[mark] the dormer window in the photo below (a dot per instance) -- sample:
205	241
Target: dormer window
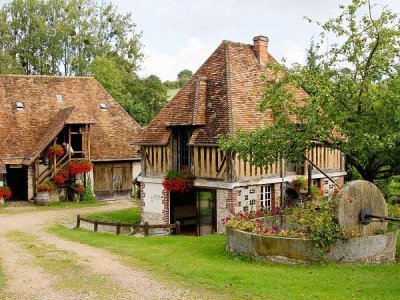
103	106
59	98
20	106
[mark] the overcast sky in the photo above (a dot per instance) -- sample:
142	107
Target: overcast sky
179	34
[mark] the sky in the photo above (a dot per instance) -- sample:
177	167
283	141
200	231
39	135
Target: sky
182	34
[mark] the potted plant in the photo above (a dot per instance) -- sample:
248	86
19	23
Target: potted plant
56	150
179	180
77	191
5	193
43	193
300	184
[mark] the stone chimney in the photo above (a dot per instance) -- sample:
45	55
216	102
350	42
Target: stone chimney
260	48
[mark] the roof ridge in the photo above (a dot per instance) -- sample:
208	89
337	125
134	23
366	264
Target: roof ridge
228	87
47	76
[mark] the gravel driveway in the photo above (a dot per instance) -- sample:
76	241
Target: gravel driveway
25	247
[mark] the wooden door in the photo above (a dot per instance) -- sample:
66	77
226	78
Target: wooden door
113	180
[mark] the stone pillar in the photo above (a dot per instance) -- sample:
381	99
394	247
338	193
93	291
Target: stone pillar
31	183
276	195
224	199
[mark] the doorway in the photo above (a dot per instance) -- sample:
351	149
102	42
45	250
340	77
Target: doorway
17	180
195	210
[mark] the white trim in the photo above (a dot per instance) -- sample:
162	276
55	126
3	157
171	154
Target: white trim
230	185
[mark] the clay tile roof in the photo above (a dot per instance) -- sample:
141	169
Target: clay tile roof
221	97
24	132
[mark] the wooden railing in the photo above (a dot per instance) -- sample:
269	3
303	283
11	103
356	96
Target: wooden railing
145	227
246	169
48	174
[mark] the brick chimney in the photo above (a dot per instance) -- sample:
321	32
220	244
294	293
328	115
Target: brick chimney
260	48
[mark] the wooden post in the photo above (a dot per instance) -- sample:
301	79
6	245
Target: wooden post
69	142
177	228
118	228
309	179
146	229
95	225
78	221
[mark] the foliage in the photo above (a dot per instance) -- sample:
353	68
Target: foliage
393	210
150	96
55	150
64	37
88	193
79	166
203	266
5	192
179	180
44	187
184	76
129	215
78	188
354	97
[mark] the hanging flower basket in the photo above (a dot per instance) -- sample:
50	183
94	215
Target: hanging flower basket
300	184
179	181
61	177
79	166
56	150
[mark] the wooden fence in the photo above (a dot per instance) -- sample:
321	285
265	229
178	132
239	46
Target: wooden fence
145	227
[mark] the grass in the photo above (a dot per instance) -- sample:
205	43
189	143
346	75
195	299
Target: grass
66	273
2	279
171	93
129	215
202	264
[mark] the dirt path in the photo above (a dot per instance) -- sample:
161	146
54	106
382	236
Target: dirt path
30	262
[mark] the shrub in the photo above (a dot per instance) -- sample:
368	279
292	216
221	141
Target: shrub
78	188
88	193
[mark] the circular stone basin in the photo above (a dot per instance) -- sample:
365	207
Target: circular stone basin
367	249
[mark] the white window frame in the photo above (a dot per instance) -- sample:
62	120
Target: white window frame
266	196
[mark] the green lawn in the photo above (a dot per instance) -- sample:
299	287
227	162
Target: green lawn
201	263
1	278
171	93
129	215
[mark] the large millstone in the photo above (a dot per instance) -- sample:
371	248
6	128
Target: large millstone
355	196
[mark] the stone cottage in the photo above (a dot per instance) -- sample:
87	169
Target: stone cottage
220	98
38	111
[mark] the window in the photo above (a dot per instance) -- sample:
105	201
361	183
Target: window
266	196
184	149
20	106
59	98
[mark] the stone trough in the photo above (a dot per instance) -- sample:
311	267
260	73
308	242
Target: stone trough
370	247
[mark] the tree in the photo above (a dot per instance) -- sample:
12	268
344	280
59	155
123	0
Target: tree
149	97
354	102
63	37
184	76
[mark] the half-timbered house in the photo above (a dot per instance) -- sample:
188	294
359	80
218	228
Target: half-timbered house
38	111
221	97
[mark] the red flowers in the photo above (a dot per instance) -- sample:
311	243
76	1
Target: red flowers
5	192
80	166
44	187
179	181
61	177
78	188
56	150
